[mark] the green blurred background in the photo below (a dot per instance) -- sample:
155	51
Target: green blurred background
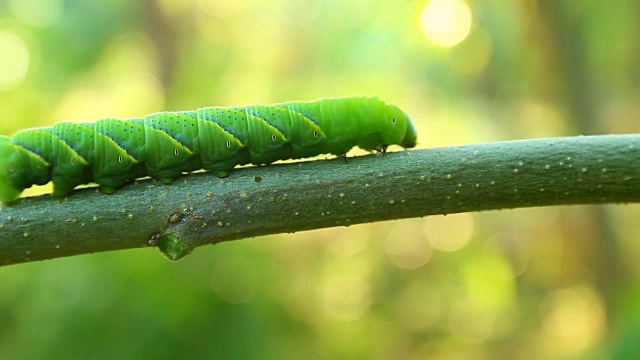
560	282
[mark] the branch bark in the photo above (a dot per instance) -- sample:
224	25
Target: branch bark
201	209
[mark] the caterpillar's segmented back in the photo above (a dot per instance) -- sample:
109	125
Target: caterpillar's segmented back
111	152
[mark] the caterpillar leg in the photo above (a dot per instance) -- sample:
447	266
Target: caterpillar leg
382	149
61	191
107	189
220	169
220	173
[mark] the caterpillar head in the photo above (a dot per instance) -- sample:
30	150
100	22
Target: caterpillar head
402	131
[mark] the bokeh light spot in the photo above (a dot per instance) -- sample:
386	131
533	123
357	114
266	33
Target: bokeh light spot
470	322
449	233
345	297
406	248
14	61
446	22
574	319
489	281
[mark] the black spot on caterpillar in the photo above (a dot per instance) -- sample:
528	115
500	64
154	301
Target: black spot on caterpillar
164	145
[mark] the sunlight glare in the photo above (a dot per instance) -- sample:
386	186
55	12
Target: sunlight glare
446	22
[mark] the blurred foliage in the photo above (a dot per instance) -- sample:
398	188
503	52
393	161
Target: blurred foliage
535	283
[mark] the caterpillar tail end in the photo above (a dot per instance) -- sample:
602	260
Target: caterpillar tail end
107	189
61	191
8	192
166	180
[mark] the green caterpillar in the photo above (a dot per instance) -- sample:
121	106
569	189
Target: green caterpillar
111	152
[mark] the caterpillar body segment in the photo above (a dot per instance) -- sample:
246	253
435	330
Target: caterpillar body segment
164	145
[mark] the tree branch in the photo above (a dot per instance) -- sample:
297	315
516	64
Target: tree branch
201	209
